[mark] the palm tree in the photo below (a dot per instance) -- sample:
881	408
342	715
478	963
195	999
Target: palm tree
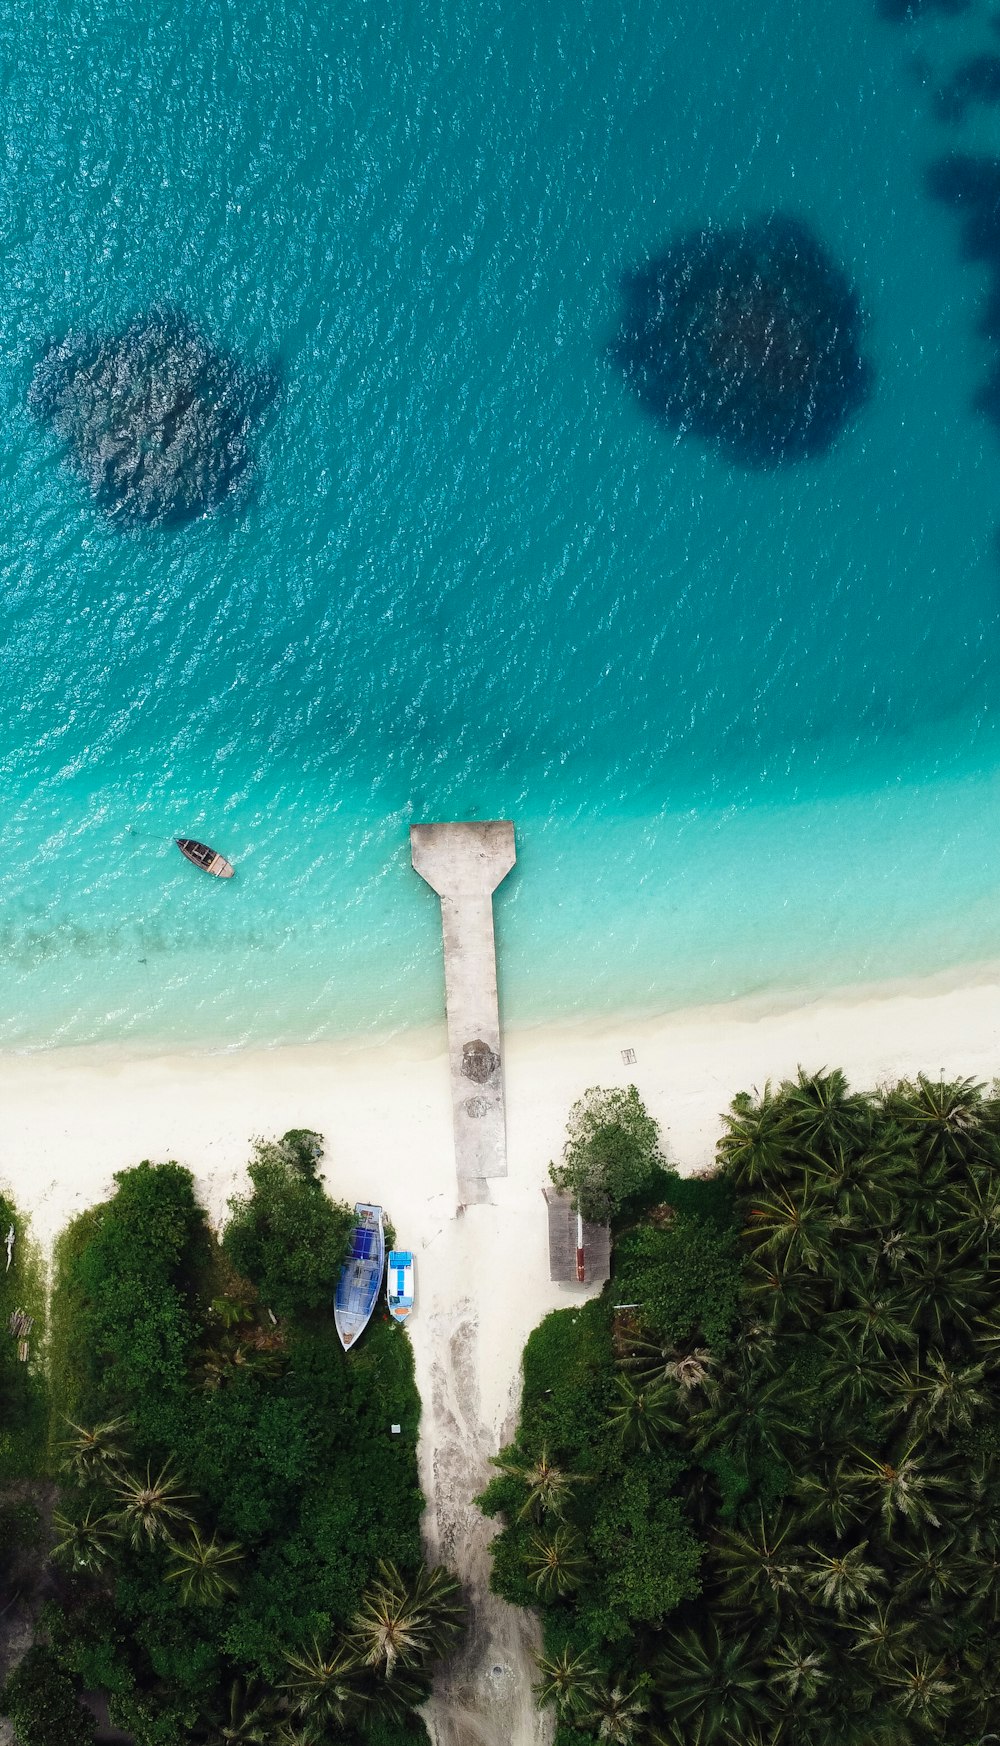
922	1687
850	1382
550	1487
759	1572
830	1497
783	1293
821	1115
882	1635
150	1509
746	1413
948	1397
407	1624
976	1203
794	1225
615	1713
868	1186
86	1542
943	1118
878	1322
247	1718
650	1361
326	1690
799	1670
982	1570
297	1731
95	1453
204	1568
641	1417
753	1149
897	1486
929	1570
718	1682
557	1564
945	1294
842	1579
568	1681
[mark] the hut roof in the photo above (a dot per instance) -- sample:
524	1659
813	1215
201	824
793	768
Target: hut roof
563	1233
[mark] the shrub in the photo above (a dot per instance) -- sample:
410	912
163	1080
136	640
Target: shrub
41	1701
286	1236
612	1152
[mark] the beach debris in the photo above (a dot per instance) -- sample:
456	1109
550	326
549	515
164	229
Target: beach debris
10	1248
156	419
748	339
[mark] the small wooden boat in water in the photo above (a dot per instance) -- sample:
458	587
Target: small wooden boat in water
204	857
360	1276
399	1283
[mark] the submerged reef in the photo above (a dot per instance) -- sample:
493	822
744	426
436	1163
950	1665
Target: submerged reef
748	339
156	420
975	80
971	185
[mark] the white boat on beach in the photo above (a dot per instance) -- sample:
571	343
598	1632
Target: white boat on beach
360	1276
399	1284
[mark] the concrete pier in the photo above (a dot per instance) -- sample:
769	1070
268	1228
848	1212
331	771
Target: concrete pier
464	864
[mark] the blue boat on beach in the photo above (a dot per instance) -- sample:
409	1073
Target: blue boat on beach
399	1284
360	1276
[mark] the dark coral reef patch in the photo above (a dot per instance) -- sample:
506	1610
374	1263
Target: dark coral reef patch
155	419
971	185
975	80
747	339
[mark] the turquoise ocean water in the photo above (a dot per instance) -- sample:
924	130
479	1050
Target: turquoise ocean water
747	723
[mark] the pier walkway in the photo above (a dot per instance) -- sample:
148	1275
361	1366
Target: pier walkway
464	863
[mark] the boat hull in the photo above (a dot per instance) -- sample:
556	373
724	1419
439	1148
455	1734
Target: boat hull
360	1276
399	1284
209	860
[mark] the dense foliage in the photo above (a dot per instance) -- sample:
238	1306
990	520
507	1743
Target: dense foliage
41	1699
792	1436
238	1529
612	1152
23	1410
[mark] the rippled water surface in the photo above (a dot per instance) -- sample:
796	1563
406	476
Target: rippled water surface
745	720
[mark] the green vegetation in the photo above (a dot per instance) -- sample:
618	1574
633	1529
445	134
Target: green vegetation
41	1700
23	1410
237	1532
612	1153
762	1503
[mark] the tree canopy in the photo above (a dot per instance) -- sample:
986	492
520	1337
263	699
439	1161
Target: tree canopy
233	1515
612	1153
782	1458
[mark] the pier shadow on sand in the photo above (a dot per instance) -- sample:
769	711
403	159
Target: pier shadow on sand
155	419
747	339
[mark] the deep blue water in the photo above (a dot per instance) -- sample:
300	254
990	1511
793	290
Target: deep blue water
745	720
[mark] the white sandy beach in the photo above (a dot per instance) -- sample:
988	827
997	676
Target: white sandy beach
71	1118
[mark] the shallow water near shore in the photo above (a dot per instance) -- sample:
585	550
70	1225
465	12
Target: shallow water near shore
746	721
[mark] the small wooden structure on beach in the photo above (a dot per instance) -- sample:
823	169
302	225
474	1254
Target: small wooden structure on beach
579	1249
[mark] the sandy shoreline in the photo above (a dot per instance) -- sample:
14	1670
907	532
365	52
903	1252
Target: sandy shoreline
72	1117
